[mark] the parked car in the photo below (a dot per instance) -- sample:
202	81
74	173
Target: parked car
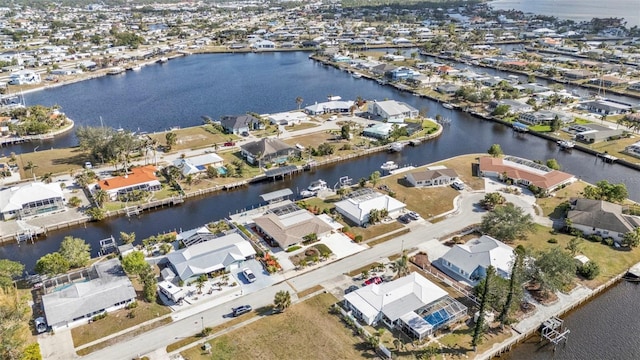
41	325
458	185
249	275
413	215
229	143
405	219
88	165
237	311
374	280
351	289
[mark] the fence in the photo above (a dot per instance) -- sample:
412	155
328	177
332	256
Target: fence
383	349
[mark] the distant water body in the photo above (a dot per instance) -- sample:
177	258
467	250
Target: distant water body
578	10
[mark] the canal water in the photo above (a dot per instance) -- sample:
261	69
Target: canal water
180	92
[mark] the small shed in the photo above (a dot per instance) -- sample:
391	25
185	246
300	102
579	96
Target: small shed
581	260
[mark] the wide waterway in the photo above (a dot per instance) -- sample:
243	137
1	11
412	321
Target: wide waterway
176	94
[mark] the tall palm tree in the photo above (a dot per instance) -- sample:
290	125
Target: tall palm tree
47	178
401	266
200	283
101	197
30	166
299	101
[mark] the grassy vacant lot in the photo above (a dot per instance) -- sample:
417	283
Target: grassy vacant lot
117	321
290	335
56	161
612	261
426	202
376	230
193	138
549	205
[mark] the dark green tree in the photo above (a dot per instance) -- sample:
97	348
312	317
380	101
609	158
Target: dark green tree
52	264
8	271
495	150
514	285
76	251
507	223
479	328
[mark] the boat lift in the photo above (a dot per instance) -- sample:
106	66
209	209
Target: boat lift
552	330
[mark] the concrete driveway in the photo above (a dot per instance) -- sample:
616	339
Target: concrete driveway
263	278
341	245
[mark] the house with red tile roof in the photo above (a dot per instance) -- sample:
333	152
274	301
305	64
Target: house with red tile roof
140	178
524	172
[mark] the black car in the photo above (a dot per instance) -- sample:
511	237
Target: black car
241	310
405	219
351	289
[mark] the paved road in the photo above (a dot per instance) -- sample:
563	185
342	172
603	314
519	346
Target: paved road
170	333
468	213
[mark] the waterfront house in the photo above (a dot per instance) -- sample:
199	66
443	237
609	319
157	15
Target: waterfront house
240	124
100	289
329	107
379	131
592	133
524	172
209	253
358	205
633	149
515	106
35	198
576	74
471	260
198	164
448	89
268	150
383	69
606	107
607	81
24	77
392	111
263	44
431	177
411	304
288	118
139	178
544	117
601	218
288	225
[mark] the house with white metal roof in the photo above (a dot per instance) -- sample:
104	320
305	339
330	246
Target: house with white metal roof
412	304
393	111
197	164
35	198
357	206
103	288
288	225
226	252
472	259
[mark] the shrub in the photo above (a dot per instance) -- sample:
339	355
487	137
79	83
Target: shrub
589	270
99	316
346	229
292	248
552	241
358	238
594	238
608	241
131	305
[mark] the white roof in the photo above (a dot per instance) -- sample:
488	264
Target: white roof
196	164
392	107
396	298
286	116
360	207
329	106
483	251
211	255
14	198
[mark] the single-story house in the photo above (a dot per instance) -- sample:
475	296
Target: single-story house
382	69
358	204
226	252
288	225
608	81
577	74
240	124
633	149
601	218
524	172
515	106
544	117
171	291
447	89
472	259
288	118
198	164
328	107
268	150
32	199
606	107
392	111
411	304
263	44
381	130
104	287
140	178
431	177
595	133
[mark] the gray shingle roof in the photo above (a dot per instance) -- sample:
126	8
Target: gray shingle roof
601	215
266	146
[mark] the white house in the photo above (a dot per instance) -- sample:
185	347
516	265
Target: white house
472	259
392	111
411	304
359	204
24	77
216	253
288	118
431	177
171	291
103	288
601	218
35	198
198	164
263	44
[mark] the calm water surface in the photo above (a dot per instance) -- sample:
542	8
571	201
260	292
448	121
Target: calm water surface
180	92
578	10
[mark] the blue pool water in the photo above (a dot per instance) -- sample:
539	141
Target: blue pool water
437	318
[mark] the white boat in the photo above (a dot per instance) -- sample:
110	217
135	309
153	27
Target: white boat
317	185
115	70
447	106
136	67
162	60
334	98
396	146
389	165
566	144
356	75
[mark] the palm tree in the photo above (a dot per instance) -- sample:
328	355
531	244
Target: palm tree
200	283
282	300
299	101
30	166
47	178
101	197
401	266
171	139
